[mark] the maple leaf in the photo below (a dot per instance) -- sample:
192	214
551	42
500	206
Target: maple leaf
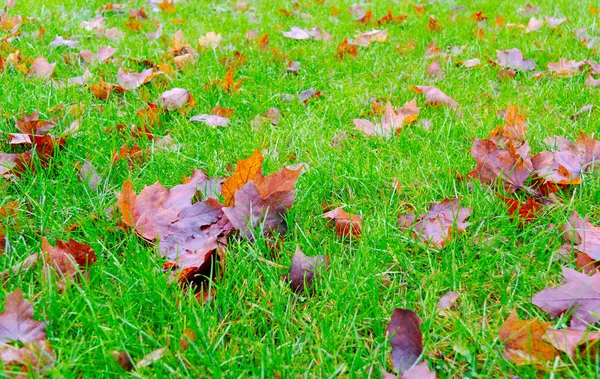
297	33
176	98
528	10
583	236
104	53
565	68
554	22
211	120
346	224
303	269
251	210
344	48
31	124
513	129
65	258
420	371
41	68
391	122
228	84
17	322
513	59
389	17
435	71
568	339
304	96
436	226
404	330
132	80
435	96
365	39
523	340
60	41
210	40
18	325
580	294
245	170
508	164
533	25
366	18
526	210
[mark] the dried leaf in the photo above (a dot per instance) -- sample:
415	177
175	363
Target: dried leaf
435	96
406	338
523	340
303	270
346	224
513	59
580	294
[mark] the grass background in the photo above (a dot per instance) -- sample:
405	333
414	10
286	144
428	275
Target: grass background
256	327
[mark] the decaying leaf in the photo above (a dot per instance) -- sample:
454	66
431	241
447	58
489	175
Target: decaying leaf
523	340
447	301
303	270
211	120
23	338
583	236
513	59
404	330
132	80
435	96
245	170
176	98
346	224
580	294
437	225
391	122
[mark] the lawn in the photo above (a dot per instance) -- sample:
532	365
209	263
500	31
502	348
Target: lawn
254	324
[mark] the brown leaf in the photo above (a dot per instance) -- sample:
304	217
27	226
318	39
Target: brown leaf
211	120
17	322
366	18
435	96
41	68
304	96
436	226
523	340
513	59
583	236
31	124
406	338
527	210
565	68
509	165
389	17
580	294
245	170
104	53
102	89
303	269
513	130
533	25
344	48
252	213
132	80
447	301
123	360
435	71
365	39
187	336
346	224
176	98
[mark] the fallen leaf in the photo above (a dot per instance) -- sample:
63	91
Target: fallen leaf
132	80
41	68
435	96
176	98
245	170
104	53
89	175
447	301
123	360
210	40
568	339
513	59
523	340
580	294
365	39
527	210
60	41
554	22
564	68
435	71
583	236
211	120
533	25
303	269
346	224
437	225
157	354
404	330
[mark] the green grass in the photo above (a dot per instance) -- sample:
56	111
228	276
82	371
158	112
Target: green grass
256	326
